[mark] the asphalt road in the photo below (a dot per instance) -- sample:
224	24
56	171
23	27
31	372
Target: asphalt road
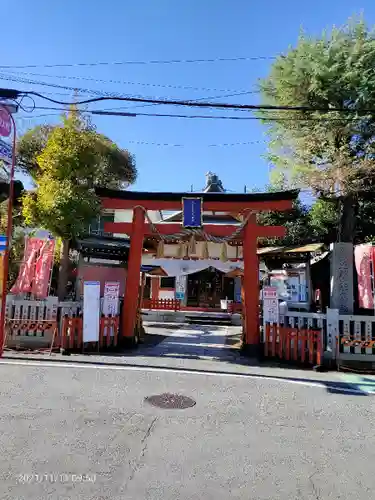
83	431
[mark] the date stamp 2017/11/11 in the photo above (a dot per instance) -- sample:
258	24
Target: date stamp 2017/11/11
54	477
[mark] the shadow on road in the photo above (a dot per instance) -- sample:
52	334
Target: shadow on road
333	387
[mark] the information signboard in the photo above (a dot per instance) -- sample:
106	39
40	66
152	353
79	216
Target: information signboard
270	304
111	298
91	311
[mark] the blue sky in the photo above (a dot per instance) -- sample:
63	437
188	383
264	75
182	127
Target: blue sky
72	32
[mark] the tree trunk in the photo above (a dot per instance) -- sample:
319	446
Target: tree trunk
347	219
63	269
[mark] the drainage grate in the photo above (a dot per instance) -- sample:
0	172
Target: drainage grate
170	401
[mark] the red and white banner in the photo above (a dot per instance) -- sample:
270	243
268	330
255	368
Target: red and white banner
43	267
364	264
34	274
27	269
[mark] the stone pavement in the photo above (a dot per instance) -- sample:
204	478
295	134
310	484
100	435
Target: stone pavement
84	431
205	349
195	341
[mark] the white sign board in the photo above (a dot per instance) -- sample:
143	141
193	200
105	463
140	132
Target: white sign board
91	311
270	304
111	298
180	285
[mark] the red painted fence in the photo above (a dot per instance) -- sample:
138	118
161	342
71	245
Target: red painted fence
71	337
293	344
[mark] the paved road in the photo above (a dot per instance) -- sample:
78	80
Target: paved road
84	431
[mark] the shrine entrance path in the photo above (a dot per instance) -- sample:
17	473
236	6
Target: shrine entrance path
206	342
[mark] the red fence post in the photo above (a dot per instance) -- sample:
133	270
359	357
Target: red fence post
274	334
266	338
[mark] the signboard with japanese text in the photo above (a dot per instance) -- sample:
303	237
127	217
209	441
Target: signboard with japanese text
5	123
270	304
91	311
180	287
111	298
192	212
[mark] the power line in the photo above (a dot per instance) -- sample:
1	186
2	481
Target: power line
189	103
125	82
101	93
103	112
144	143
194	103
119	63
106	112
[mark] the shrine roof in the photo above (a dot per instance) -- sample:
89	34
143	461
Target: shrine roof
309	248
206	196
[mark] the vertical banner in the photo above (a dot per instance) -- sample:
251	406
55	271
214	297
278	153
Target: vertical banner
270	304
192	212
180	286
27	270
364	266
111	298
43	268
91	311
1	273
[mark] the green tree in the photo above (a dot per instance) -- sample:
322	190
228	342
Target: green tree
332	153
66	163
295	221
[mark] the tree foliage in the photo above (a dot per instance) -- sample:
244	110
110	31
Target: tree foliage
66	163
332	153
111	166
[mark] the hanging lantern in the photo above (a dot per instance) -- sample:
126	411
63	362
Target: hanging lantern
160	250
192	248
224	252
205	252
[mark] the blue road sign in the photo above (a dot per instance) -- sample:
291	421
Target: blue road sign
3	240
5	151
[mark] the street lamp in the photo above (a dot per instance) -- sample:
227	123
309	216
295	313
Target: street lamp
6	123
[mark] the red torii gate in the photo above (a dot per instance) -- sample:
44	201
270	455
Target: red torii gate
138	229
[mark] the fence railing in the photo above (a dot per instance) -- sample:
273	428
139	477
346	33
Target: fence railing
293	344
30	311
342	336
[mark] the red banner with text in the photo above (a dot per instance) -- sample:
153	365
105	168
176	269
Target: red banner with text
364	263
43	268
35	270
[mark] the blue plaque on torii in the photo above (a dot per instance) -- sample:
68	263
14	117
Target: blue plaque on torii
192	213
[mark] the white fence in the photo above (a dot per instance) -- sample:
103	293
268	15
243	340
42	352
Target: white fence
346	337
39	309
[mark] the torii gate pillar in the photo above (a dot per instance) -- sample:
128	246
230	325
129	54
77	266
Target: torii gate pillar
251	289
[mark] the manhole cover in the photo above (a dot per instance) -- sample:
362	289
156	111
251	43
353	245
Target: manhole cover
170	401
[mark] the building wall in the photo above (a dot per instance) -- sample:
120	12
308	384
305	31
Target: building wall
100	272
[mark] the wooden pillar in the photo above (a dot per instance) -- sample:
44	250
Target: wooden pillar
251	288
155	287
129	311
243	311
